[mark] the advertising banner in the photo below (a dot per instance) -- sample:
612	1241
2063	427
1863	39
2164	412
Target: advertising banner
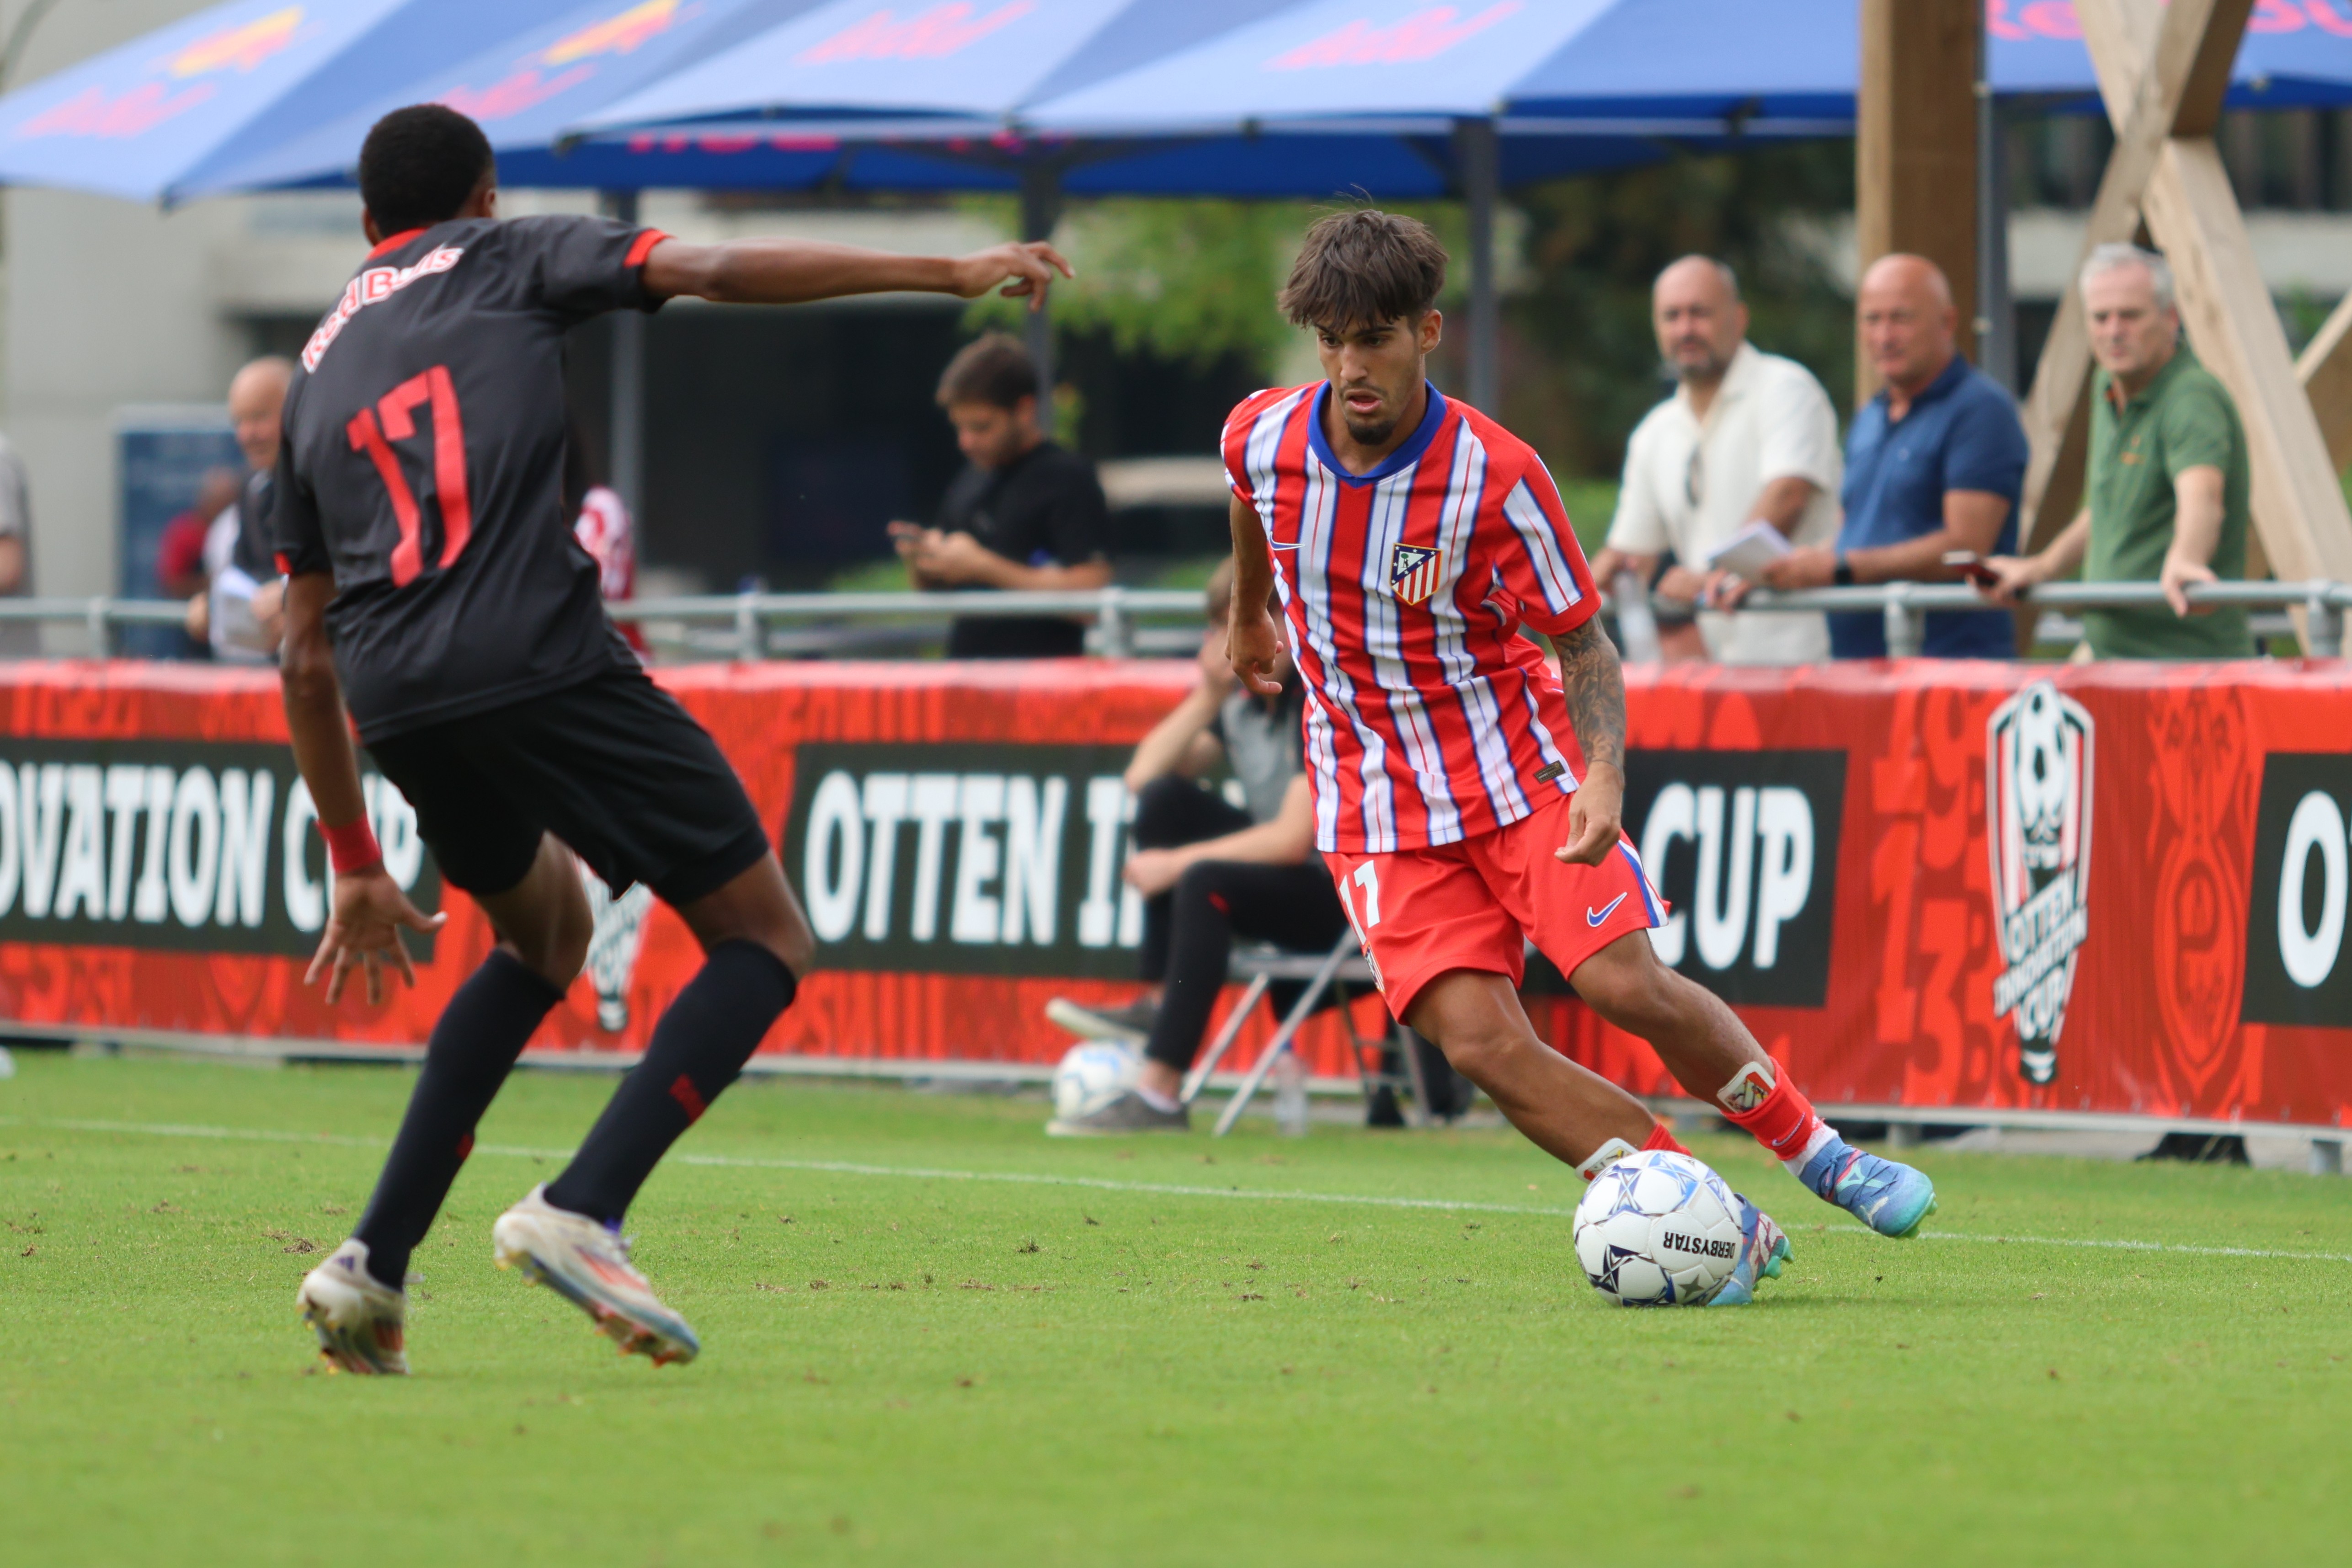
2120	889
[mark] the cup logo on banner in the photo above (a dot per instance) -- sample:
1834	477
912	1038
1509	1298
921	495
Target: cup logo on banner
1743	846
2038	799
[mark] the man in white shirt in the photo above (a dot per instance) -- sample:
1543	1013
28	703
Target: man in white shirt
1747	437
241	611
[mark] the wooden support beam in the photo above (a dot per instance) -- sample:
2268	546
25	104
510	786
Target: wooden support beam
1916	147
2300	514
2325	372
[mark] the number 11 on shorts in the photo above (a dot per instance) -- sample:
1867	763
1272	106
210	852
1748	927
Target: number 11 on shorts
1368	879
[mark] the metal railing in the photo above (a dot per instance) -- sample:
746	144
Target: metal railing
754	626
1907	605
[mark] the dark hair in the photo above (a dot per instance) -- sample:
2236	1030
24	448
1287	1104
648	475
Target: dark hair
993	369
1364	267
420	165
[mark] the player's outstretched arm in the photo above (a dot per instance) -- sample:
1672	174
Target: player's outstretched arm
1253	642
1594	685
796	272
369	908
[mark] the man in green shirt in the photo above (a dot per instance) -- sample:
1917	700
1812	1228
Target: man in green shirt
2167	474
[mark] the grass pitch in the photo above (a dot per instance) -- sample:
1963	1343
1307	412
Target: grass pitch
910	1358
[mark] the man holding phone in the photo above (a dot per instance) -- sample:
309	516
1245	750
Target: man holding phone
1024	515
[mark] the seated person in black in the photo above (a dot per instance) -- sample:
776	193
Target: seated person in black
1209	870
1024	514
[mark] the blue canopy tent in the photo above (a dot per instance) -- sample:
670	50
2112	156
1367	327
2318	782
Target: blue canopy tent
1413	93
954	79
1736	62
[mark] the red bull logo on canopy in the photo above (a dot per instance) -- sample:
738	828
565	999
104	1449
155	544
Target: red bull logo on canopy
618	35
1423	35
930	34
239	49
94	111
568	61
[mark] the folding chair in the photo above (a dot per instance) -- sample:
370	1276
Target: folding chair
1341	967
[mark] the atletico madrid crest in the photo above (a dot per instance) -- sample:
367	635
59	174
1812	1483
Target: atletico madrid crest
1414	572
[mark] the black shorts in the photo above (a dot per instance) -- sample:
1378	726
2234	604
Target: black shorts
611	766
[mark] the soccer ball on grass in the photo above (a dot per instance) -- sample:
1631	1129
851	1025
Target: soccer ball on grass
1092	1075
1657	1229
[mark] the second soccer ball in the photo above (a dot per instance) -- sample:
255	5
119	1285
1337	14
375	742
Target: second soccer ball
1091	1076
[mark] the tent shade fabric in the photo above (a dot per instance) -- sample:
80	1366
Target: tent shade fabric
1738	63
974	57
524	89
148	119
1243	98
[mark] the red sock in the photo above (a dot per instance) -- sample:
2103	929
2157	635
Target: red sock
1783	1122
1662	1137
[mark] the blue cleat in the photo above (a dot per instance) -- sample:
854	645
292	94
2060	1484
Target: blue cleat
1763	1251
1889	1197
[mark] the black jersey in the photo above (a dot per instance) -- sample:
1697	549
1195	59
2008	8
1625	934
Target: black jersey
423	465
1045	508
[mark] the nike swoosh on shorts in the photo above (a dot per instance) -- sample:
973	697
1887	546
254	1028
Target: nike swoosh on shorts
1594	917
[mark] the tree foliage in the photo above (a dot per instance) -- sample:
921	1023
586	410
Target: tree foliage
1188	281
1582	365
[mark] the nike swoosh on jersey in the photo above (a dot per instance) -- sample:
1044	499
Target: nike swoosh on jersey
1594	917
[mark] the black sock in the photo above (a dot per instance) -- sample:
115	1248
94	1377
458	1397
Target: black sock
473	1048
698	1048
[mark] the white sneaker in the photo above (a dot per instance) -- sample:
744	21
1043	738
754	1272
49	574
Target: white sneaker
588	1265
360	1319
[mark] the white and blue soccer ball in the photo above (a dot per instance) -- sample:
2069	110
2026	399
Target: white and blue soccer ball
1092	1075
1657	1229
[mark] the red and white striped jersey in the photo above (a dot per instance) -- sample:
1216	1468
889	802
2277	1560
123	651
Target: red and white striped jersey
1429	718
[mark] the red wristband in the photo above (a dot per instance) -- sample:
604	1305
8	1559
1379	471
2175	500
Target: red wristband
351	847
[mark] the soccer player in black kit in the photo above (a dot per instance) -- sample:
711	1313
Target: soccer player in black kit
435	586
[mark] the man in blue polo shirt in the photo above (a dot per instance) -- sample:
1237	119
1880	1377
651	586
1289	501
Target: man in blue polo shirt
1934	463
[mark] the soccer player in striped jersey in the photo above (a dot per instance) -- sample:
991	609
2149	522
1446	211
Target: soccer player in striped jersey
1466	799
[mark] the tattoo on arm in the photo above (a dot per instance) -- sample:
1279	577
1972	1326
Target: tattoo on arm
1595	687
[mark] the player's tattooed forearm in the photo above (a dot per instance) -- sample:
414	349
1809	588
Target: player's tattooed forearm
1595	687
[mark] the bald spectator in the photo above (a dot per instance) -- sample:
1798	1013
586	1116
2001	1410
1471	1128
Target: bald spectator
2168	479
240	614
1934	464
1747	437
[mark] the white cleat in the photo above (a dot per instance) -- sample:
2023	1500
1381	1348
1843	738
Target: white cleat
588	1265
360	1320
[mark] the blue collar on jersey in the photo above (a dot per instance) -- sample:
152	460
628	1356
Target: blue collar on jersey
1403	457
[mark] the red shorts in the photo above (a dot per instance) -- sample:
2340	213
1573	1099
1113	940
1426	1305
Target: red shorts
1476	904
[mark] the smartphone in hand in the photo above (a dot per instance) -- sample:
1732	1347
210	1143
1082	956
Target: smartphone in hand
1970	565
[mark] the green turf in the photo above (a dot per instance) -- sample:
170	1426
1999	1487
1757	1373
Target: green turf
918	1369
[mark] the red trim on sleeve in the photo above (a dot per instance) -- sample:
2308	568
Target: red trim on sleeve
394	243
643	246
285	564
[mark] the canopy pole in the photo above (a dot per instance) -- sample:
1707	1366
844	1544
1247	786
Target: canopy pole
626	448
1476	145
1041	209
1996	312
